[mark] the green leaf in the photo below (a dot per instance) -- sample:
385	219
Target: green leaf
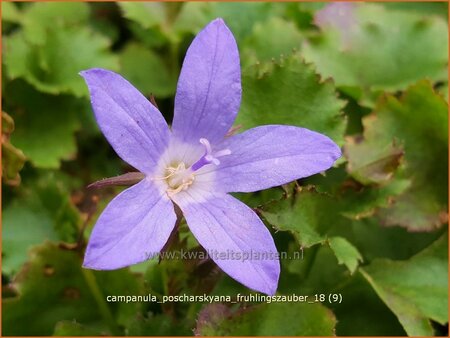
302	13
158	325
151	22
239	16
146	70
52	66
269	40
10	12
289	91
152	38
45	124
310	216
22	228
13	158
329	182
263	197
429	7
67	328
354	200
295	319
43	211
416	290
53	287
443	91
193	16
302	216
358	309
39	18
418	123
313	217
147	14
376	51
374	240
368	161
345	253
360	202
53	45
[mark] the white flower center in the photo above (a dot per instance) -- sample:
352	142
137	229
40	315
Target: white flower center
178	178
181	163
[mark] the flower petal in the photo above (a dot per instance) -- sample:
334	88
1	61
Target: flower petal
229	230
269	156
133	126
133	228
209	88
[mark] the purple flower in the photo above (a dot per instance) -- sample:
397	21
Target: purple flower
194	165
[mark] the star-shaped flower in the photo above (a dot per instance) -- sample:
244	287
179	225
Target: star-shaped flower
195	165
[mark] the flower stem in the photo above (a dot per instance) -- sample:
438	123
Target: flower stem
100	300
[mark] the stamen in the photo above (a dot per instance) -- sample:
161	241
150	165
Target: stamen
172	171
180	177
209	157
177	179
184	186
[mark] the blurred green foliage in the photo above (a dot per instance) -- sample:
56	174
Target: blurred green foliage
373	229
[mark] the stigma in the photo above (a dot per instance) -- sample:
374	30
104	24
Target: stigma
209	157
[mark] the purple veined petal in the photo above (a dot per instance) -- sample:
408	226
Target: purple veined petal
225	226
132	125
268	156
209	87
133	228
